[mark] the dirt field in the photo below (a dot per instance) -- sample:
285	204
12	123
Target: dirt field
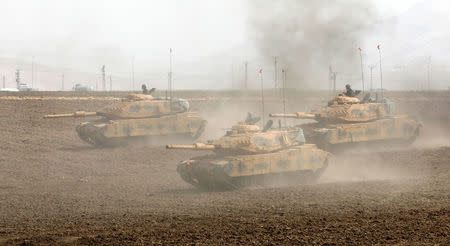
55	189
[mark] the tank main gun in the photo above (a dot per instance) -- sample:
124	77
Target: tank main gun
298	115
77	114
196	146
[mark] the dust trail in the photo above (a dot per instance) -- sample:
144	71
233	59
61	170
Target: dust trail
367	165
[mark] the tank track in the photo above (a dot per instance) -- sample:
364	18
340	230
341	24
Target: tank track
207	176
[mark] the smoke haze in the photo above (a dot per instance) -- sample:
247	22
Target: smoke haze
308	35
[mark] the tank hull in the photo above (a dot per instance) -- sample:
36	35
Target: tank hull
297	164
390	129
123	130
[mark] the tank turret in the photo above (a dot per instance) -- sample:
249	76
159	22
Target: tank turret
134	106
343	109
138	115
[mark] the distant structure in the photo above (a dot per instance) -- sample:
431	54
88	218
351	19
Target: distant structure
80	87
4	79
103	78
21	86
110	82
275	64
17	78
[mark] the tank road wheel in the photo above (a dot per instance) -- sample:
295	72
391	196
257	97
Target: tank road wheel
318	172
185	174
91	134
200	130
204	176
413	137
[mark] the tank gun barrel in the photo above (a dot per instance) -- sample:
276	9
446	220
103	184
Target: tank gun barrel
197	146
298	115
74	115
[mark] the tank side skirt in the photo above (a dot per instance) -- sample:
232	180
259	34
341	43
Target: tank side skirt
385	129
186	123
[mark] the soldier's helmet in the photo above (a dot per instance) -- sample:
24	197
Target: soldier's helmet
347	86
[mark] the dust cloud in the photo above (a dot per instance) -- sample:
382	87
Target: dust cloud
308	36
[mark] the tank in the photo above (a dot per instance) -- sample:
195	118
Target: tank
138	116
248	155
349	120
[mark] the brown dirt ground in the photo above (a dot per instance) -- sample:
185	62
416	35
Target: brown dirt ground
55	189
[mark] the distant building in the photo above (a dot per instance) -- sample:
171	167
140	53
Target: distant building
80	87
24	87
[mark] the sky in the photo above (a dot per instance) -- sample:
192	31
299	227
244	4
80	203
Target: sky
210	41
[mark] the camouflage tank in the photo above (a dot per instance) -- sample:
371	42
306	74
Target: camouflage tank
137	116
349	120
247	155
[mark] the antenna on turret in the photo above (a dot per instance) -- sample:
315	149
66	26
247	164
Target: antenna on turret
381	72
283	71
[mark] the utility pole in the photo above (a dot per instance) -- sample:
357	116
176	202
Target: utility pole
232	73
245	75
371	80
169	86
334	81
4	79
110	82
275	80
330	78
132	73
32	72
362	71
103	78
429	73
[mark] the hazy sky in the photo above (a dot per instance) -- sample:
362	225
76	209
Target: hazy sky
207	36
